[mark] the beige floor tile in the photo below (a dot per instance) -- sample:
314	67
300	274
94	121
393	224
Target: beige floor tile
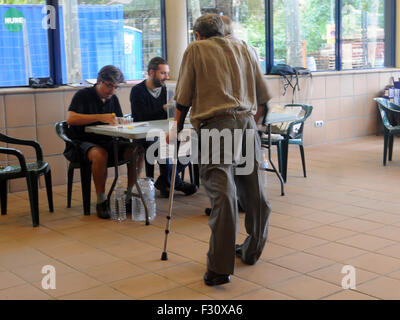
302	262
185	273
305	287
263	273
24	292
334	275
98	293
329	233
24	257
391	251
367	242
382	217
375	263
144	285
325	218
395	275
335	251
383	288
295	224
235	288
357	225
70	248
387	232
276	233
299	241
89	259
349	295
264	294
70	283
130	248
273	251
114	271
181	293
8	280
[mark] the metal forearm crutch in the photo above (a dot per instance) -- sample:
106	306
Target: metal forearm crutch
164	255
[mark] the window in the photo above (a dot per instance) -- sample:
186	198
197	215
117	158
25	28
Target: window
305	33
248	17
23	42
95	33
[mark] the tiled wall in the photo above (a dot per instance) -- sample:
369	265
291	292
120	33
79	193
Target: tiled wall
343	101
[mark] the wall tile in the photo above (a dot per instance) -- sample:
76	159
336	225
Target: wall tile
370	106
318	112
27	133
49	108
372	124
360	126
346	129
20	110
359	108
306	90
307	140
333	86
360	84
123	97
384	79
58	165
333	131
318	135
68	95
332	109
3	157
50	142
274	89
346	107
2	116
373	84
319	88
346	86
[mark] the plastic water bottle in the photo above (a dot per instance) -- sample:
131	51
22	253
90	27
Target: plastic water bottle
148	191
118	209
264	164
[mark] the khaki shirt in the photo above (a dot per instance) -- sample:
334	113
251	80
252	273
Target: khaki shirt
217	76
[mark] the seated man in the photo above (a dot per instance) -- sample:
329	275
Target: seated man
148	102
93	106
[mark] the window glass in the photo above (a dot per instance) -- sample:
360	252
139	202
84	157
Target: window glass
363	41
96	33
23	42
248	18
304	33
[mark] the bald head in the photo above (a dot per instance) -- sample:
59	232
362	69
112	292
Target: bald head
228	25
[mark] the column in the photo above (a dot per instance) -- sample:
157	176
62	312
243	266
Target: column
177	37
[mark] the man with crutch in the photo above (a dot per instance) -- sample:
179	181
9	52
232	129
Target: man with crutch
222	82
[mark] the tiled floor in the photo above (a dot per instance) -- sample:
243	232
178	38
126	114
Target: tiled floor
346	212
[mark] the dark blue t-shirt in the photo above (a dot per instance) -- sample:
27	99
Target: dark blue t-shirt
87	101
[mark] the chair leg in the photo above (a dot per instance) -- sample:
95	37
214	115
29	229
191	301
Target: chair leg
86	181
69	188
191	173
385	145
279	155
196	173
285	151
391	140
32	183
303	160
49	190
3	196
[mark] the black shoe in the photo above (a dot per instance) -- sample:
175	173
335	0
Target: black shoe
208	211
238	251
163	187
186	188
103	210
240	209
214	279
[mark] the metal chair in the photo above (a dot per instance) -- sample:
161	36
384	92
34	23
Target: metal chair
79	163
389	112
31	171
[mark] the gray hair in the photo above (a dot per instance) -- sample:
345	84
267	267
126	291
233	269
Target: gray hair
209	25
110	73
228	25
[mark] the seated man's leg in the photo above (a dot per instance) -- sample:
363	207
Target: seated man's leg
98	156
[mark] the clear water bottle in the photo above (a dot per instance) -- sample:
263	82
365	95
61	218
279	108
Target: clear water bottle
148	191
264	165
118	209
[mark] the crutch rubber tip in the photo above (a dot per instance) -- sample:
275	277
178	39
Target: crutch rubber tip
166	231
169	218
147	223
208	211
164	256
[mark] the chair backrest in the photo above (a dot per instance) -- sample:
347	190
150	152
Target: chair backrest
389	112
61	130
295	128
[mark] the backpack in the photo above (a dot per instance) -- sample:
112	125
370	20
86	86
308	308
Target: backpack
291	76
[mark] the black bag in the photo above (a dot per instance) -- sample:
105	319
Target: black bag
291	76
41	83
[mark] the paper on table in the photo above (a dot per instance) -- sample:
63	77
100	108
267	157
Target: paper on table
131	125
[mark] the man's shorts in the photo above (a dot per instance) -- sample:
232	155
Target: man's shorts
109	147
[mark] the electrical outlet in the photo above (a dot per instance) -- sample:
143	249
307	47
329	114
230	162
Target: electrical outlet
319	124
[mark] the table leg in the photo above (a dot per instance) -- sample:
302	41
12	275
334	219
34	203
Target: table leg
272	163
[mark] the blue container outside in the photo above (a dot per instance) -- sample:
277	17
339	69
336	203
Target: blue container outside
103	41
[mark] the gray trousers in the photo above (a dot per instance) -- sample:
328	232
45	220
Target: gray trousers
224	186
